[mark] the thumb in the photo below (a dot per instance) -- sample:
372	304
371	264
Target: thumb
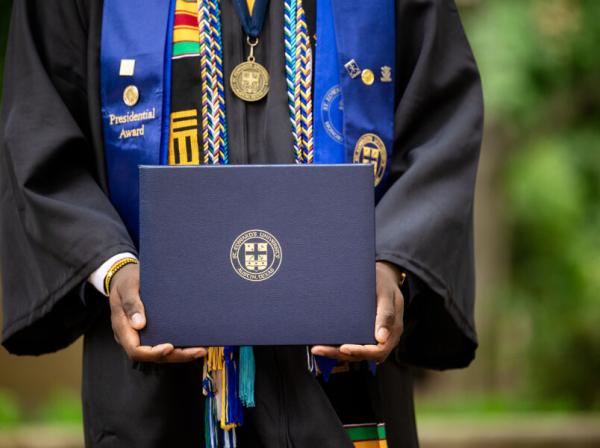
134	310
385	317
126	285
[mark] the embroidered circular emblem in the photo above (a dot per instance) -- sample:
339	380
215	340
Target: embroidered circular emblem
332	122
255	255
370	149
131	95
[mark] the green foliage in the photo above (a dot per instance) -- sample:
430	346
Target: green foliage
528	50
502	56
553	189
61	407
541	72
10	411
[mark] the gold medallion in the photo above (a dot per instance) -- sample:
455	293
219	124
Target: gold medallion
368	77
371	149
250	81
131	95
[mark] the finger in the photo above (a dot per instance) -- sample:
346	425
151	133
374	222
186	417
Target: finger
146	353
331	352
367	352
181	355
386	316
126	336
130	341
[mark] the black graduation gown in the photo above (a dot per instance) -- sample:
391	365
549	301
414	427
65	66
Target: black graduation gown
58	225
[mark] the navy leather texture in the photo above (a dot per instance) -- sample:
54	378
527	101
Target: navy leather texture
323	218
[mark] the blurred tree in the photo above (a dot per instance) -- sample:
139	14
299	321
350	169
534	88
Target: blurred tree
540	65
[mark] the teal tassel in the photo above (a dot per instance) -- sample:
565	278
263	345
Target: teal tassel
246	379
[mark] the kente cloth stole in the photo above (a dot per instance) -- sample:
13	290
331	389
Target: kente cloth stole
198	124
186	96
371	435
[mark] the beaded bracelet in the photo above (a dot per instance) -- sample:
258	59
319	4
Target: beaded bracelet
116	267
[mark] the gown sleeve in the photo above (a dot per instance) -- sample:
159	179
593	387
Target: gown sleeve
56	223
424	221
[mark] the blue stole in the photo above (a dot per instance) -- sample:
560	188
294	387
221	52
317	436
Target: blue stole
328	103
365	46
137	134
134	135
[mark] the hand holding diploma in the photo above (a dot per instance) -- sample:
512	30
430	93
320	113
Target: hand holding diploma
128	318
388	323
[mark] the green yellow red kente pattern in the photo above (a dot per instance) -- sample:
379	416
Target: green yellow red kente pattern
186	36
367	436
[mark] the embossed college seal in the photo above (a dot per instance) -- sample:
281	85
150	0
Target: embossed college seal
255	255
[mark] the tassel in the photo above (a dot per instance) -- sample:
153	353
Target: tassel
211	437
247	375
229	440
231	414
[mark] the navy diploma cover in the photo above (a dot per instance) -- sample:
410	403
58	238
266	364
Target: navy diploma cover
258	255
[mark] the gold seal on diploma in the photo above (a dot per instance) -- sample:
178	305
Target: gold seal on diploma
255	255
371	149
250	81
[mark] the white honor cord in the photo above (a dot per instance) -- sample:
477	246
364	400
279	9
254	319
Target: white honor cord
310	360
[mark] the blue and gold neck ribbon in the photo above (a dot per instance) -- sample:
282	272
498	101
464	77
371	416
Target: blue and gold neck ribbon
252	15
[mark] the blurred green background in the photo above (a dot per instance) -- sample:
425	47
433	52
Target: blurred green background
537	230
540	65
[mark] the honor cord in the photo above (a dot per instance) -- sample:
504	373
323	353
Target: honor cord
298	58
